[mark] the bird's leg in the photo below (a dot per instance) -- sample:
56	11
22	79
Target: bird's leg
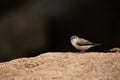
82	51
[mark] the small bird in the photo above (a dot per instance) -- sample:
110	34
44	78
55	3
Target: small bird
81	44
114	50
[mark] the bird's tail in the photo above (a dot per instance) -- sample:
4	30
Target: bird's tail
97	44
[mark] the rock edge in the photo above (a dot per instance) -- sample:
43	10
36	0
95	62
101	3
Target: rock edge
63	66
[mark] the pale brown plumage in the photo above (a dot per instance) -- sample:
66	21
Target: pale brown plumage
114	50
81	44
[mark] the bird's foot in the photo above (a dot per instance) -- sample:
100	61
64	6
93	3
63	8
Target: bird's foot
82	51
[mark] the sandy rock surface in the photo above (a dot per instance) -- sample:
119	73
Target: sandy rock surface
63	66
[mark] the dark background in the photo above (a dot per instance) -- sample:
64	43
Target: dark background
31	27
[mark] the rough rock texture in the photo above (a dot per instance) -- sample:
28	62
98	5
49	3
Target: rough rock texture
63	66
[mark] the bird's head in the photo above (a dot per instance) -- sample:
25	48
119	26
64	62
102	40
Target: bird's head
74	38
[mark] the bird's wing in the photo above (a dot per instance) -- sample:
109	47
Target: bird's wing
82	41
84	44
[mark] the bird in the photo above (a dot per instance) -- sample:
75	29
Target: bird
81	44
114	50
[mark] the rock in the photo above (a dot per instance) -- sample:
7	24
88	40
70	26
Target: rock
63	66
